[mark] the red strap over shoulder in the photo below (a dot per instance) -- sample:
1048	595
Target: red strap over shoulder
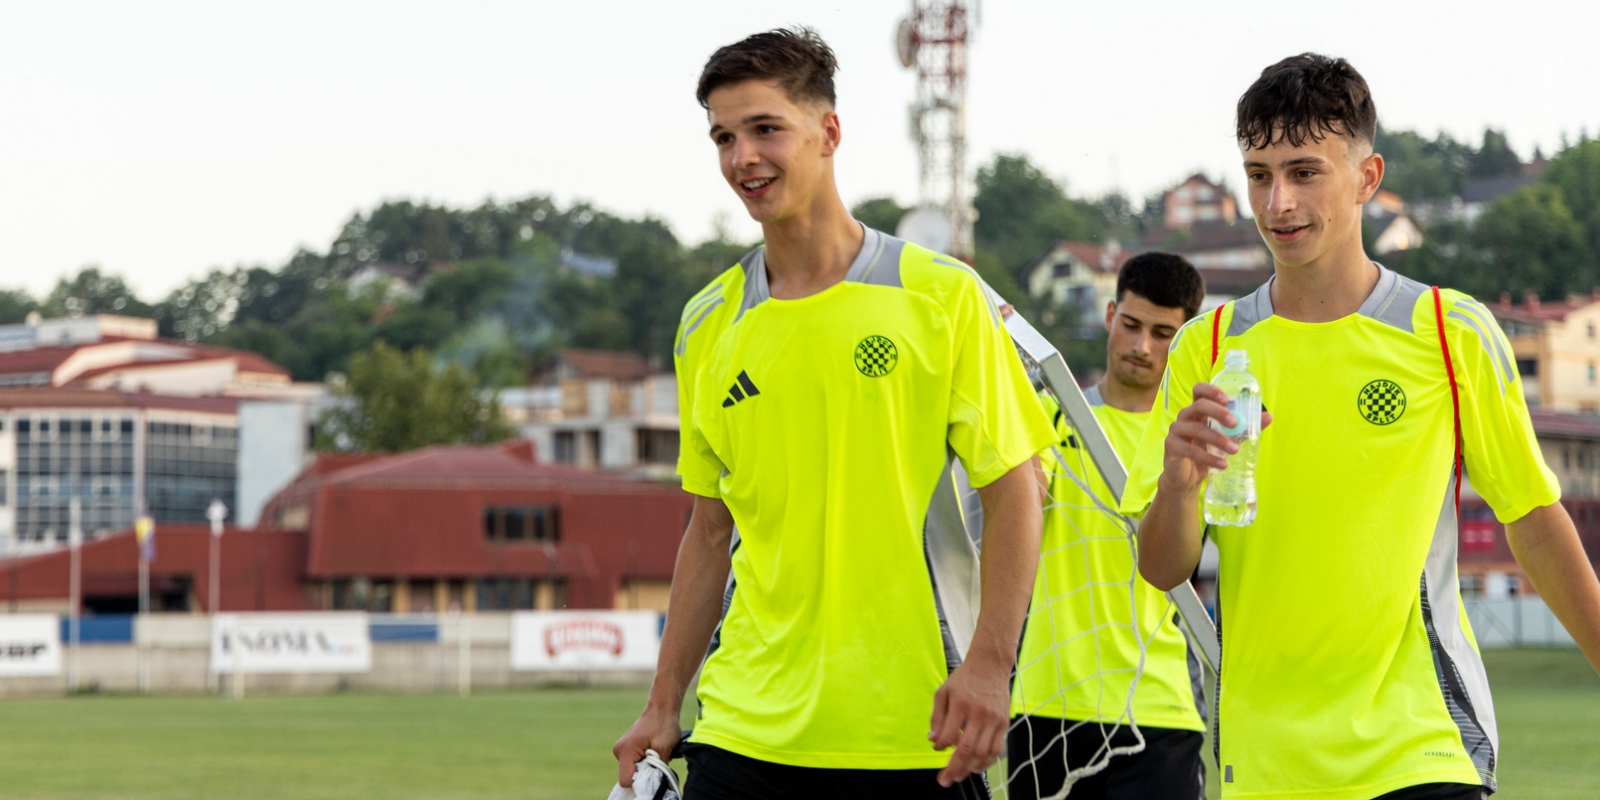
1455	397
1216	333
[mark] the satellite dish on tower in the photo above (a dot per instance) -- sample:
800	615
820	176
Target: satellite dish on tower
927	226
905	43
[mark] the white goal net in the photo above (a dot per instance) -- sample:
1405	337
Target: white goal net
1091	622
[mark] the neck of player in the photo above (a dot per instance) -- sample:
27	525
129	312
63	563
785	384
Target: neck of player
1330	287
811	251
1124	397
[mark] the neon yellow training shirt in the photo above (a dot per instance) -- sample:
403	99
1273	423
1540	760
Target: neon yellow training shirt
825	423
1080	652
1348	666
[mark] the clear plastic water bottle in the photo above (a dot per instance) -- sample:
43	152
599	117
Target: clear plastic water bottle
1231	492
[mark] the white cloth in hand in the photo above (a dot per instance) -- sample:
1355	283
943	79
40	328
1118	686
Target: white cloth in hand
652	780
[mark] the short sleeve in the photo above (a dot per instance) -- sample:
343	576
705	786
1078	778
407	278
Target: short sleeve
996	422
1188	363
1503	460
698	327
698	463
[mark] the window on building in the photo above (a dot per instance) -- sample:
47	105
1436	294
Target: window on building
505	594
565	445
1591	330
1591	373
1528	367
1471	585
658	446
522	523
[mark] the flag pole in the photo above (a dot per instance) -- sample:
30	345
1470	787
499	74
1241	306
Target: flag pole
75	542
216	513
144	529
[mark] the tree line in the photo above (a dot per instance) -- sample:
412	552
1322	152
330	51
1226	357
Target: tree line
497	301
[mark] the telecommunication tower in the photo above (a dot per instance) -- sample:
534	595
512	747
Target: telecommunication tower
933	41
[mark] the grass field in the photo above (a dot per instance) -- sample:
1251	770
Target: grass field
551	743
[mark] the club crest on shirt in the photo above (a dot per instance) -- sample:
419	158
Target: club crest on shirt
1381	402
876	356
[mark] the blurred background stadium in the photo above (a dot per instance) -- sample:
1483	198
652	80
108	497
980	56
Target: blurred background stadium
337	416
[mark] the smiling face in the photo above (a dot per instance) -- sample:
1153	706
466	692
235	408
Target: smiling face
1307	199
1140	332
776	154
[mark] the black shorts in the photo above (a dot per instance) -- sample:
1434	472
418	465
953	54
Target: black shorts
1437	791
1169	768
717	774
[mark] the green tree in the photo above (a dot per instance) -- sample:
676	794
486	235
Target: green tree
90	292
1022	212
16	305
1495	158
879	213
393	402
1576	172
1528	241
1417	168
201	308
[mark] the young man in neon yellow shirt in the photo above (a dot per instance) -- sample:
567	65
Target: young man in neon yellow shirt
1081	654
828	377
1348	669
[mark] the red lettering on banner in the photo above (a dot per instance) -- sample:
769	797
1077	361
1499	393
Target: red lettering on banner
583	634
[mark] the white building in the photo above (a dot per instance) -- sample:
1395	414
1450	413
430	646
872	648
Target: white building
600	409
103	410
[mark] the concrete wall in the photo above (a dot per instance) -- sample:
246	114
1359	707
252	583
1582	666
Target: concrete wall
272	450
1515	622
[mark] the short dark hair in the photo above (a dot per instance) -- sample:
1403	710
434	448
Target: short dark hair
1304	98
1166	279
796	58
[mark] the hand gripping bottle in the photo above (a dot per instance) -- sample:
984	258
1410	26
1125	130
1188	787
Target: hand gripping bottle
1231	492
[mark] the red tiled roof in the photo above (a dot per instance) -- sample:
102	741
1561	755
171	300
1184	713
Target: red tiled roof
37	359
1204	236
1092	254
1543	312
261	569
1234	282
420	514
248	361
615	365
47	359
59	397
1569	426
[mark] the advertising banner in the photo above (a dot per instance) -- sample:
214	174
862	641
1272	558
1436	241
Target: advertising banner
291	643
30	645
562	640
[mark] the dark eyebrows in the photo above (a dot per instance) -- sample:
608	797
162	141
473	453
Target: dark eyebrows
1303	161
1157	326
750	120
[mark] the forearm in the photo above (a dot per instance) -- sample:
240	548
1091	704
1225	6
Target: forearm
1546	544
1011	531
1169	537
698	581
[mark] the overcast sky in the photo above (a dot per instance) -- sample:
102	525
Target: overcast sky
160	140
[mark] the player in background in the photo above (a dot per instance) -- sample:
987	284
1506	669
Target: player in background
829	375
1348	668
1079	654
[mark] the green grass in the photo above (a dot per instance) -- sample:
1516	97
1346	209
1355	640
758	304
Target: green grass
553	743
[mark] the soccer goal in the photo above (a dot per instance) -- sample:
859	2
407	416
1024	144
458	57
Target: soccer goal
1106	612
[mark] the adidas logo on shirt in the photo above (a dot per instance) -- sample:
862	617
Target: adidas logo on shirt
742	388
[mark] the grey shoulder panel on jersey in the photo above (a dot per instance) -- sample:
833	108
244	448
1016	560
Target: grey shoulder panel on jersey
1251	309
1393	300
1092	394
878	263
755	281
